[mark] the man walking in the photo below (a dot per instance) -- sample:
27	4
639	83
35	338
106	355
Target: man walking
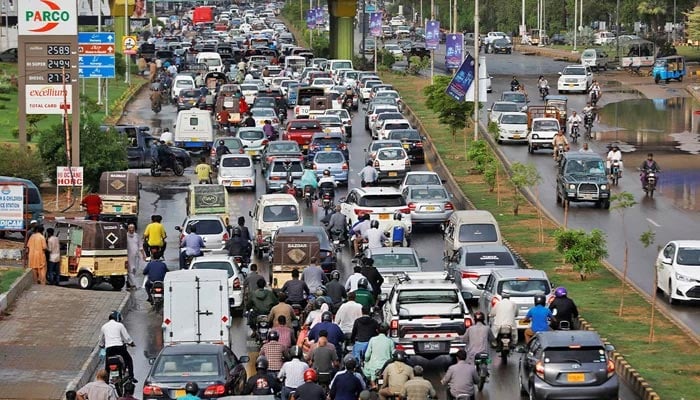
54	249
135	254
36	254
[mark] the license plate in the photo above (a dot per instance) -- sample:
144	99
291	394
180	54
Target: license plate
118	208
251	152
522	322
430	208
575	377
383	216
405	146
393	174
327	149
431	346
516	136
157	295
587	196
180	393
236	183
194	139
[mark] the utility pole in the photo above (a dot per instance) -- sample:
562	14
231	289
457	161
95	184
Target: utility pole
432	51
99	29
575	22
126	33
476	71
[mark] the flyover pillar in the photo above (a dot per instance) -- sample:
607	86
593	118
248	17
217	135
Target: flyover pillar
341	40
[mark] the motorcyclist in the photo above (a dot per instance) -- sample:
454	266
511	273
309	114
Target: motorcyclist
374	236
191	392
503	315
346	385
563	308
418	388
309	390
648	165
224	119
374	277
308	178
595	91
461	378
269	130
477	337
349	93
368	175
514	84
559	139
336	291
261	302
249	121
296	290
155	270
363	329
313	275
573	118
363	294
289	373
398	231
538	317
614	155
335	334
360	230
165	155
238	245
262	383
543	84
327	183
156	98
114	338
339	223
395	376
191	246
379	350
221	149
274	351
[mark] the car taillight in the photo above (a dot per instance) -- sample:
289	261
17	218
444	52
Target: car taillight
225	237
376	163
265	142
241	151
151	390
418	144
394	328
411	207
539	369
236	283
359	212
405	210
113	367
470	275
345	166
468	322
449	206
215	390
611	368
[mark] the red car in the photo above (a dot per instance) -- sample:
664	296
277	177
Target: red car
301	131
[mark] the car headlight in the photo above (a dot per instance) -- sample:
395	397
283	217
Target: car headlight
683	278
535	136
572	186
603	187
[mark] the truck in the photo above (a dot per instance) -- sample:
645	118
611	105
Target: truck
194	131
196	307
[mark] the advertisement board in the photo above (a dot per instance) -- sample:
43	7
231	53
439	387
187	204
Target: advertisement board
375	24
320	18
462	80
310	19
48	99
432	35
63	176
47	17
12	207
454	44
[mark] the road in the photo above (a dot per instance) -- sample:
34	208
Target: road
166	196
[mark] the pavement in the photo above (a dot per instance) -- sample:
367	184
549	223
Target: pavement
47	335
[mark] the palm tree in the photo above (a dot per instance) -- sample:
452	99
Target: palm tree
653	10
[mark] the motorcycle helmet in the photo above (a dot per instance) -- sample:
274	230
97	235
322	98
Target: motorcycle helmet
363	283
540	300
326	172
326	316
261	363
374	224
479	317
221	142
348	87
560	292
310	375
321	291
398	216
115	315
296	352
335	275
319	302
192	388
236	231
400	355
273	335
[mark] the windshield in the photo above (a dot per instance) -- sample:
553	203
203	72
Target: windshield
340	113
205	226
341	64
235	162
279	167
418	194
392	95
404	262
328	120
251	134
212	62
249	88
487	259
280	213
587	167
524	287
217	265
263	112
404	135
545	125
514	119
329	157
391	154
396	125
423	179
187	365
428	296
382	201
308	125
574	71
688	256
505	107
282	147
514	97
232	143
263	102
582	355
388	115
478	233
184	83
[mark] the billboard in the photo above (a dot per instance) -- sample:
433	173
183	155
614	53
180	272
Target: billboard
48	99
375	24
462	80
454	44
47	17
310	19
432	35
12	206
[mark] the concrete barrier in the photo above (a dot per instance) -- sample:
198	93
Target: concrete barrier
17	288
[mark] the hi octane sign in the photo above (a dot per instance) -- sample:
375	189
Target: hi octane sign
47	17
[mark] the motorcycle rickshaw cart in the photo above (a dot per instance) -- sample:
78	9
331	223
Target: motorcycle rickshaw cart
119	191
94	252
289	252
667	68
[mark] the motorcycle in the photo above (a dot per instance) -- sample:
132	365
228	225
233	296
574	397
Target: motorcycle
327	195
156	106
174	165
347	104
308	195
262	328
615	174
157	295
504	342
514	86
560	154
544	92
482	360
594	98
574	131
339	239
588	124
116	373
650	182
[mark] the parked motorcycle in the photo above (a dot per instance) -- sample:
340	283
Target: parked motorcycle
615	173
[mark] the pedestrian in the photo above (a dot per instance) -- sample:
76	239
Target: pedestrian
36	247
54	259
135	254
92	203
98	389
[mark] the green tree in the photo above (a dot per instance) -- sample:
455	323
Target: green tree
100	150
480	153
620	203
693	24
450	111
584	251
21	163
653	11
522	176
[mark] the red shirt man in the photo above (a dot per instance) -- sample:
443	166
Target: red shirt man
92	204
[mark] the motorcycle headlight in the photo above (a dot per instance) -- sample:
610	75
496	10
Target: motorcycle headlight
603	187
683	278
572	186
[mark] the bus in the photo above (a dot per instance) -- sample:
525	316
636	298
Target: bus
304	95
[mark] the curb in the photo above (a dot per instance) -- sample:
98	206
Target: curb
630	375
87	372
17	288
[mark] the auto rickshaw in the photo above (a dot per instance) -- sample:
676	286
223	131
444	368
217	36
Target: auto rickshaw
119	191
560	103
93	252
667	68
289	252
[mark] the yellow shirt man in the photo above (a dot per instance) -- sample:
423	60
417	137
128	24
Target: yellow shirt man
204	172
155	234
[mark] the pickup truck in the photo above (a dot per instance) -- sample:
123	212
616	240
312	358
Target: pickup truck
426	314
301	131
139	147
542	131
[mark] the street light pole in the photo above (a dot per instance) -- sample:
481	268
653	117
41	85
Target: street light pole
575	22
476	71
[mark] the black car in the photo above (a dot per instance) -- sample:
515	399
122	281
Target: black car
418	50
327	249
581	177
214	367
558	38
190	98
412	142
501	46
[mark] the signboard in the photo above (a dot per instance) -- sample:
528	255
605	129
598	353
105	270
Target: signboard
310	19
209	199
432	35
48	63
96	55
48	99
129	45
12	207
47	17
453	50
375	24
462	80
63	176
319	16
483	83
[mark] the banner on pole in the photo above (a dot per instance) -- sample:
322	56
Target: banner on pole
463	79
432	35
454	45
375	24
310	19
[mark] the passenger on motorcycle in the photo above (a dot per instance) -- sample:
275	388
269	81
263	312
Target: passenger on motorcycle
375	279
281	309
461	378
363	294
477	337
418	388
559	139
336	291
321	293
324	358
261	302
347	314
309	390
339	223
503	314
221	149
614	155
154	236
364	329
573	118
648	165
328	183
294	373
368	175
248	122
269	130
346	385
238	245
273	351
563	308
287	334
313	276
334	334
374	236
395	376
251	280
379	350
538	317
360	230
191	246
155	271
263	382
296	290
397	232
588	109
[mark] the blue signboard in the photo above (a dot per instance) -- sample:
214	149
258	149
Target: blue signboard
96	72
96	38
432	35
96	55
453	50
96	66
463	79
310	19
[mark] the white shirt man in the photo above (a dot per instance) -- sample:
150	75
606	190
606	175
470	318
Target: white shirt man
573	118
327	179
614	155
347	314
292	373
351	282
167	137
503	314
172	69
375	238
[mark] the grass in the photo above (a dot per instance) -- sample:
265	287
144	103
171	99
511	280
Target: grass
669	364
8	276
118	90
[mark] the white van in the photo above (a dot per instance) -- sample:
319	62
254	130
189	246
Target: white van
179	83
194	130
196	307
601	38
212	60
596	59
271	212
470	227
334	65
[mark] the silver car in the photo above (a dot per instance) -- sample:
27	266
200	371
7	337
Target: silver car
262	114
254	141
472	264
429	204
394	262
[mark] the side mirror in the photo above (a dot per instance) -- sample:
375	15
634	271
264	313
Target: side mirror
243	359
666	261
383	297
178	228
609	348
423	260
467	296
480	286
423	138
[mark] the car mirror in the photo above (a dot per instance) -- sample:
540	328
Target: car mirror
342	200
666	261
609	348
559	73
178	228
480	286
467	296
383	297
250	214
423	259
489	110
423	138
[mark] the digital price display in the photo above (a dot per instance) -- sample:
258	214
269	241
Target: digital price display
50	63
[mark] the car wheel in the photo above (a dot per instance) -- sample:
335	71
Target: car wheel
530	149
606	204
85	280
558	198
671	300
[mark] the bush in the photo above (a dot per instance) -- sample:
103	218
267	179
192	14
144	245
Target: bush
480	153
361	63
584	251
119	67
386	59
22	163
417	64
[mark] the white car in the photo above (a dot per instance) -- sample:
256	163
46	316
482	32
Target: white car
499	107
512	127
575	78
236	171
391	163
378	118
381	203
392	94
253	140
179	83
397	21
366	88
249	91
210	227
262	114
389	125
678	270
394	50
325	83
341	113
235	275
420	178
542	133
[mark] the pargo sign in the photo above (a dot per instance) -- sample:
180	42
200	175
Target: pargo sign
47	17
48	99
